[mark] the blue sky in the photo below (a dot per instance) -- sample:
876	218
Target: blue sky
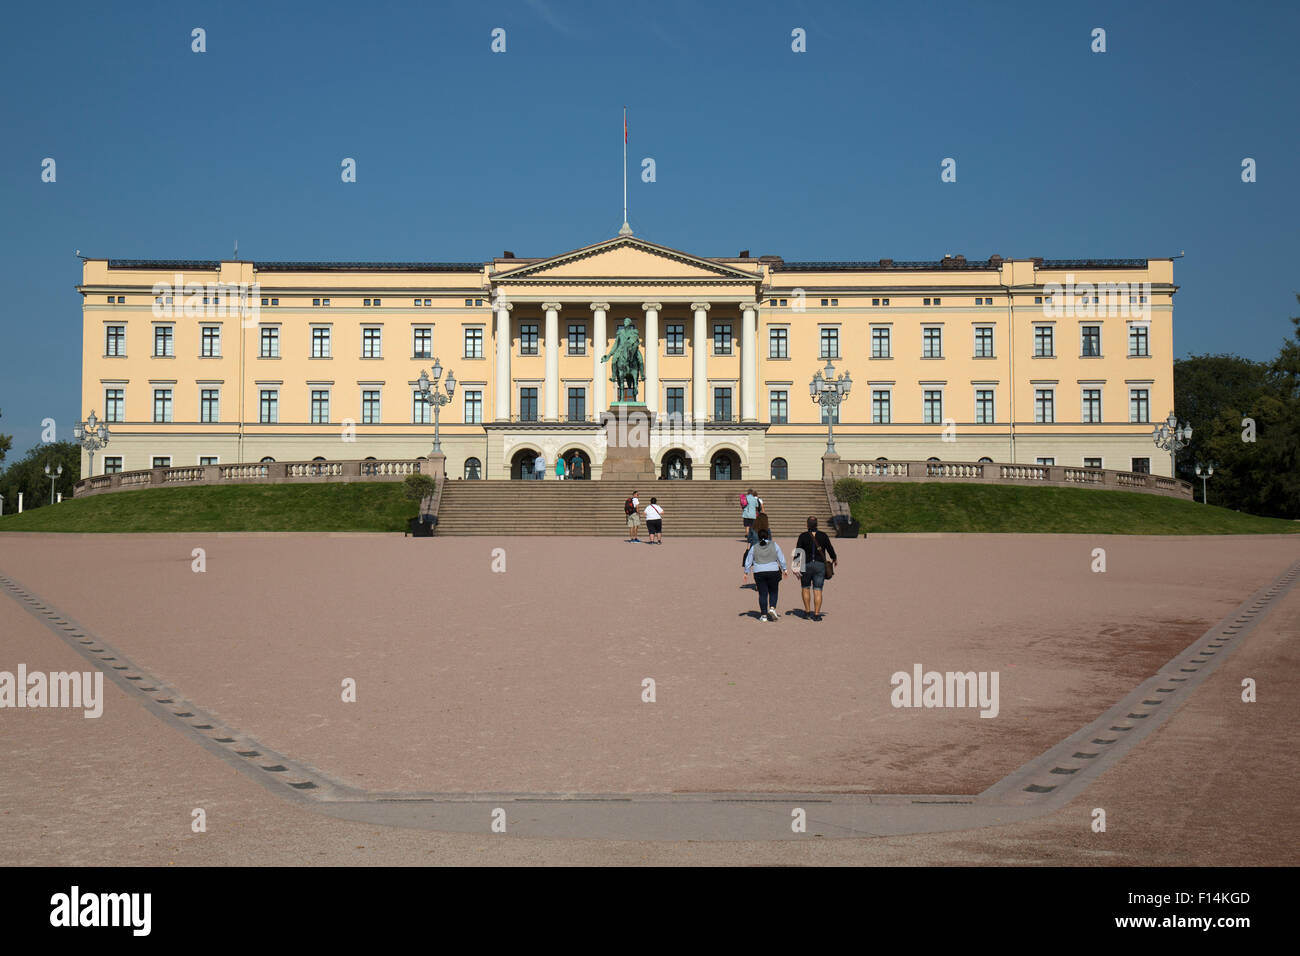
462	153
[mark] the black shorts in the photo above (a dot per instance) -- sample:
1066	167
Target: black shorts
654	525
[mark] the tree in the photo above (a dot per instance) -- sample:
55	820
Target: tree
28	474
6	442
1229	401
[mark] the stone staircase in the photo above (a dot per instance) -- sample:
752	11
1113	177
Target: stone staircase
691	508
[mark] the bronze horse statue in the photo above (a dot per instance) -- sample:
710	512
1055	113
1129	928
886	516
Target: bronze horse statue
627	369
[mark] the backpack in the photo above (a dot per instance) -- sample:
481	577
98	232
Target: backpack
744	501
628	507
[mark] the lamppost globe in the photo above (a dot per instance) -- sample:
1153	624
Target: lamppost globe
437	369
451	383
424	381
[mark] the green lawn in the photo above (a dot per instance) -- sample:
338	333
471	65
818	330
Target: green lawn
352	506
381	506
918	506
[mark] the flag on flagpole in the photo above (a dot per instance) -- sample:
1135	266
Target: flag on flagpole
625	125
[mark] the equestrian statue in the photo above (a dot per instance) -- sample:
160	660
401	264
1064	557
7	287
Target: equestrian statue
627	369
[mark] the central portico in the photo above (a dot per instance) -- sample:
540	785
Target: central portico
604	284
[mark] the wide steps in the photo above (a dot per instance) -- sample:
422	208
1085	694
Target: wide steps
694	509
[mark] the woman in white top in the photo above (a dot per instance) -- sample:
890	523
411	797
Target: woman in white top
654	521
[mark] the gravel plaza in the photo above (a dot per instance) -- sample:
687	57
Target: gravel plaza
529	680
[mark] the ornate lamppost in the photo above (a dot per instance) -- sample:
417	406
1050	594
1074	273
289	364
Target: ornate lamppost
54	476
1173	437
92	436
434	396
828	391
1205	476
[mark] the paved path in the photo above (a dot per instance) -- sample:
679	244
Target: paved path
37	743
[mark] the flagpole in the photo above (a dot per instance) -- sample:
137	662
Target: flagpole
626	230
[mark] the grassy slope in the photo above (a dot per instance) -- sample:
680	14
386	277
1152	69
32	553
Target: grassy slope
1001	508
355	506
886	507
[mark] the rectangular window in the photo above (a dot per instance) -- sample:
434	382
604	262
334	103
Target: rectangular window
722	339
320	343
162	461
1138	340
114	405
932	401
421	411
422	342
830	414
115	340
830	343
473	407
320	406
932	342
163	343
208	460
209	405
370	407
983	406
528	339
676	403
1044	405
1091	341
270	343
162	405
1043	347
880	414
984	341
578	339
1092	463
675	340
371	343
474	344
1046	461
1139	405
779	407
722	404
1092	405
528	404
1142	466
577	404
112	464
778	343
210	341
268	406
880	343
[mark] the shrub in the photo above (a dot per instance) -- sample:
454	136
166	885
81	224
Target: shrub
850	490
419	486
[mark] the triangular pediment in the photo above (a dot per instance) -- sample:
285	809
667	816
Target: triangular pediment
624	258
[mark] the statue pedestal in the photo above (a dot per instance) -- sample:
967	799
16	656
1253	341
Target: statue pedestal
627	428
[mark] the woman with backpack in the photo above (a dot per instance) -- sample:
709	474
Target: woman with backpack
748	509
767	563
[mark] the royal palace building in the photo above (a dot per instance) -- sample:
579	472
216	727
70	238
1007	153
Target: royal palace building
1062	362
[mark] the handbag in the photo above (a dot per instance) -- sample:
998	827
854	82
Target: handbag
830	569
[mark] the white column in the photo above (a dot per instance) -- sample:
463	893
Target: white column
599	370
651	356
502	384
748	363
699	363
551	409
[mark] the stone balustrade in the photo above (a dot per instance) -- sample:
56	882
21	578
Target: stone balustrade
267	472
984	472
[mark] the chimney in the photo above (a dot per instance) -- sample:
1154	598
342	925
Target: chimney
744	254
507	254
887	263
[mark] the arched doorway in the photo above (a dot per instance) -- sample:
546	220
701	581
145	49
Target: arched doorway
676	466
521	464
266	459
780	469
724	466
577	464
473	469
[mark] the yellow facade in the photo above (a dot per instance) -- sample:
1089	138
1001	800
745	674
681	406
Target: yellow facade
1011	360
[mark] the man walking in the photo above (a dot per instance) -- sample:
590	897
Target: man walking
539	467
817	551
633	517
